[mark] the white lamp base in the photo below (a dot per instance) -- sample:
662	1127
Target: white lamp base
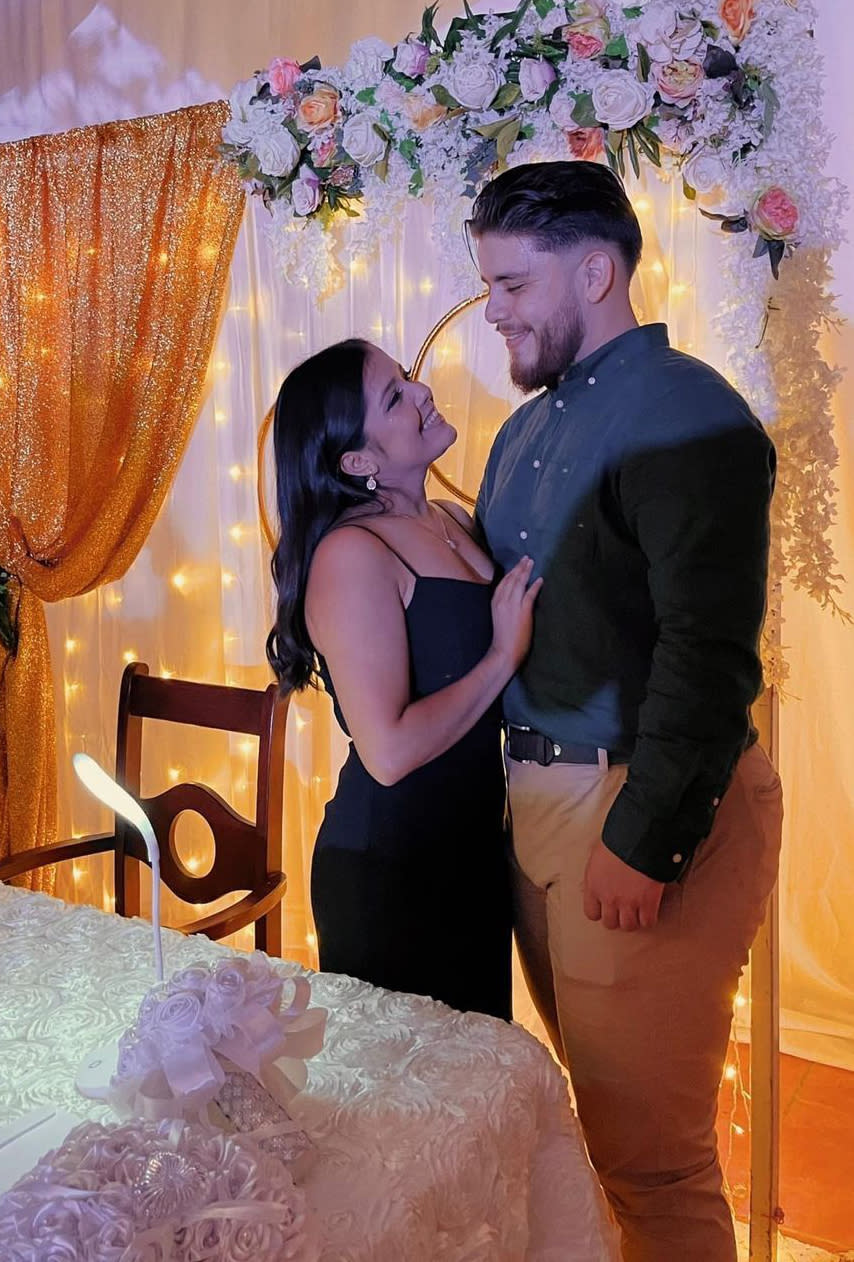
96	1070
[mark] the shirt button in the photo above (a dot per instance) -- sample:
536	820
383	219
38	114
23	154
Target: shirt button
557	751
523	534
536	464
559	403
591	381
716	801
564	469
677	858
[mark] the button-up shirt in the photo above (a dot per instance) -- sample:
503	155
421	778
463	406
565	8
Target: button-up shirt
641	488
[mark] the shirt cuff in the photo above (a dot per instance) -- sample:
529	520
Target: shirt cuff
660	849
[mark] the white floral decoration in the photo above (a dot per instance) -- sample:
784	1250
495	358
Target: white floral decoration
722	95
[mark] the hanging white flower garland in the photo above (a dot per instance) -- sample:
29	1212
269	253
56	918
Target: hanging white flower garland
721	94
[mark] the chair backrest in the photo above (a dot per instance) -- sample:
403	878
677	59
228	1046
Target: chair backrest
246	851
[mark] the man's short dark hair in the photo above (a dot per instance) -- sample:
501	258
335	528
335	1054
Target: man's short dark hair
559	204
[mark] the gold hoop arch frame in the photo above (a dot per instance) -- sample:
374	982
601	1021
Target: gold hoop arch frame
415	372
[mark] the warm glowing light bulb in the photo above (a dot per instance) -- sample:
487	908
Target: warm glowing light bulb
678	289
194	864
426	285
246	746
739	1130
179	580
166	674
235	473
227	578
729	1072
740	1001
114	599
70	645
311	939
164	257
658	267
220	416
237	532
129	656
76	873
642	205
174	774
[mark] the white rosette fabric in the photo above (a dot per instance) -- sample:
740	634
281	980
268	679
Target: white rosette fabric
155	1192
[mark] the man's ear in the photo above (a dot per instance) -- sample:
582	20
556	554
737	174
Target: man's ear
596	275
358	464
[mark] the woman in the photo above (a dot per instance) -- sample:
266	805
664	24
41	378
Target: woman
391	601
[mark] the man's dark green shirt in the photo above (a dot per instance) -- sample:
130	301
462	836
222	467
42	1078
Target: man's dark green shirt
641	487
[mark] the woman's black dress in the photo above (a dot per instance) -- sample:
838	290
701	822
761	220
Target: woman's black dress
409	882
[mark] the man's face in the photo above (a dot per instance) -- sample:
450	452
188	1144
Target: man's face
533	304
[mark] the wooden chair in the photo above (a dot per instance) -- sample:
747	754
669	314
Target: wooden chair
248	855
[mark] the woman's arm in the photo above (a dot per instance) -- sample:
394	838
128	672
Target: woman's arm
356	619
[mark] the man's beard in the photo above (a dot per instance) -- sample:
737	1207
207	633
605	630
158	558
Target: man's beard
559	344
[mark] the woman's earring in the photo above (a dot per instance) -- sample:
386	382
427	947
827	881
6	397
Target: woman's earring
371	483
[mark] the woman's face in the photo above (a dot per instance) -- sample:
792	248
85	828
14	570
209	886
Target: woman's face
403	429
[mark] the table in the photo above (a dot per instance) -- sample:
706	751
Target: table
441	1136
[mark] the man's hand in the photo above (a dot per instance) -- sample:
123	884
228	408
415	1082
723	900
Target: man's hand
618	895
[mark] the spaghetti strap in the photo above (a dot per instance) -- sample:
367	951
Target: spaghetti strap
393	551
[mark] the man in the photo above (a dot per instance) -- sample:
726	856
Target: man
646	820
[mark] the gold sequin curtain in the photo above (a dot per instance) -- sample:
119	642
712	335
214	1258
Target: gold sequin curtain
115	245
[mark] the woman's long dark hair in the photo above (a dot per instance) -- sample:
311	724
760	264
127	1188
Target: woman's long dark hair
320	415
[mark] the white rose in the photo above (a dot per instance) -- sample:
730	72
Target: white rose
241	95
561	112
621	100
666	36
364	68
362	141
237	132
654	28
535	75
475	85
704	171
305	194
277	152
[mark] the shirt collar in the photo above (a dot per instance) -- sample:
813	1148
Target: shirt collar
628	345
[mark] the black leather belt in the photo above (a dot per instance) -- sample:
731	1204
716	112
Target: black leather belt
524	745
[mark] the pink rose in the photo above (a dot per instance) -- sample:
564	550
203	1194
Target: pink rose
283	74
774	214
679	81
411	58
535	75
325	151
587	38
737	16
305	194
587	143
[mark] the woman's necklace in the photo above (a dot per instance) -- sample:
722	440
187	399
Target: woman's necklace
435	513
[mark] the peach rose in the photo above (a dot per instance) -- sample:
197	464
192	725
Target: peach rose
774	214
587	143
678	81
736	16
320	109
283	74
422	111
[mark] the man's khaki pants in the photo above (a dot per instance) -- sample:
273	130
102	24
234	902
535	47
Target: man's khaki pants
642	1019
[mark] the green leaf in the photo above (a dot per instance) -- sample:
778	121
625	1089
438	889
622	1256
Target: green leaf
776	250
367	96
432	65
761	247
455	35
583	113
617	47
544	7
507	137
710	30
650	146
643	62
614	140
429	34
508	95
490	130
633	152
771	101
689	192
408	149
416	184
510	27
634	11
381	167
443	97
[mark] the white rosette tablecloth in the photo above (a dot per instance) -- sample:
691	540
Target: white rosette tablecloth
440	1136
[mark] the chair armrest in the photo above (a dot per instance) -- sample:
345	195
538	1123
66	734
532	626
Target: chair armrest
42	856
251	907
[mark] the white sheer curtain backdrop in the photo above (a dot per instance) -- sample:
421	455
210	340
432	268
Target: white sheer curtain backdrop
197	601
